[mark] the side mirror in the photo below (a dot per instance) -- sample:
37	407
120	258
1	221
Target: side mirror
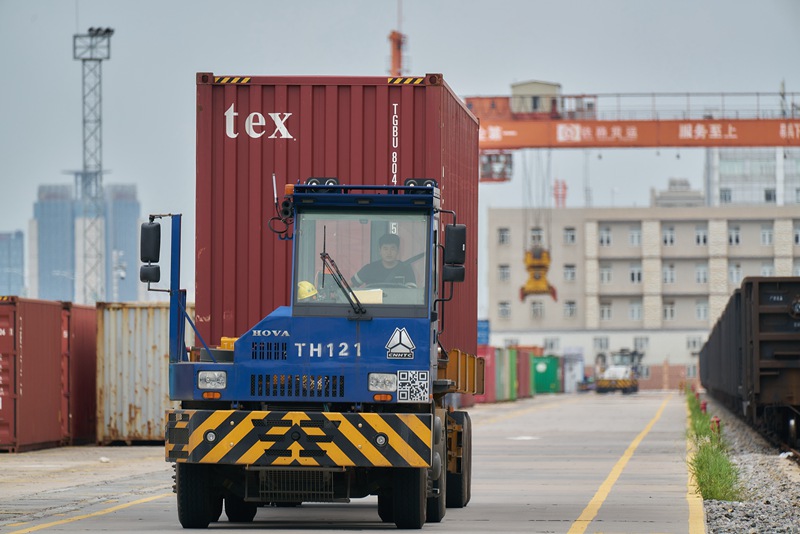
150	242
150	273
453	273
455	244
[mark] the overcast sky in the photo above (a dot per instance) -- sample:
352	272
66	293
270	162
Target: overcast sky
481	47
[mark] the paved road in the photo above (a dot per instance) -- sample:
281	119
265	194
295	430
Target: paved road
559	463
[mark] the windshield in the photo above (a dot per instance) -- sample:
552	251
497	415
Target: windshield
382	258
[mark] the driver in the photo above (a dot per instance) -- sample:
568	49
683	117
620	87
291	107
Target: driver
387	270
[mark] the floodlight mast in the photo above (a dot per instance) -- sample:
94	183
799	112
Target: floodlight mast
92	48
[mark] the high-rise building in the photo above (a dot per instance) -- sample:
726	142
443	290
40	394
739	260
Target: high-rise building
53	243
12	264
56	234
122	232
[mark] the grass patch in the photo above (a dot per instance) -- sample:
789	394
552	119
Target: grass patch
716	476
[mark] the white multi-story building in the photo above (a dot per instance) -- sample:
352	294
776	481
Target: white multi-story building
653	279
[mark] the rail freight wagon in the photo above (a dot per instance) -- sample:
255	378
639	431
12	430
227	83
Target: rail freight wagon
751	360
336	282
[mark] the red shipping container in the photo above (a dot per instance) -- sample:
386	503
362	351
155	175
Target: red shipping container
490	390
361	130
32	384
82	334
523	374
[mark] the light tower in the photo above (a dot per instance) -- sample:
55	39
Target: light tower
92	48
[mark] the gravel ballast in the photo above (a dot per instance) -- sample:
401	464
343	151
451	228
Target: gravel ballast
770	482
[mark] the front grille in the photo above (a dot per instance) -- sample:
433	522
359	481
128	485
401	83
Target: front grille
268	350
297	386
296	486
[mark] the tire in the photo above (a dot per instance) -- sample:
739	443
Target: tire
410	494
459	490
216	508
386	505
437	505
238	510
193	488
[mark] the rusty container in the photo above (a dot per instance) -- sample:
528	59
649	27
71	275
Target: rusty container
133	371
81	335
360	130
33	385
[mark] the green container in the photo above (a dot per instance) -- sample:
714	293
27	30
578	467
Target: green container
512	371
546	374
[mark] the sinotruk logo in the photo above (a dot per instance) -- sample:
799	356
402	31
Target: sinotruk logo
400	346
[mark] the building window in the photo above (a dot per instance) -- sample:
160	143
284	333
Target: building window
701	236
668	236
635	310
504	309
734	236
636	273
735	273
766	235
641	343
503	236
724	196
796	269
537	309
701	310
600	344
644	372
797	235
605	236
605	274
669	311
797	195
635	236
605	311
569	273
691	371
504	273
668	274
701	273
570	309
511	342
569	236
769	196
536	237
551	344
767	269
693	343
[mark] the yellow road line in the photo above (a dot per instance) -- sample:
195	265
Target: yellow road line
697	520
589	513
93	514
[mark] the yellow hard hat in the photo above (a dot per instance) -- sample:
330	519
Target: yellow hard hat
305	290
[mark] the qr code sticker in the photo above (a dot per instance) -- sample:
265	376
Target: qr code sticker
412	386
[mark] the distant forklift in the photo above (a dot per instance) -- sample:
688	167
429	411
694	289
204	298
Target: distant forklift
619	372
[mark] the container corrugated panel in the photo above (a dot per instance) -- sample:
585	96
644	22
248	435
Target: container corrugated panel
490	389
31	383
503	378
772	343
133	371
524	389
351	128
82	373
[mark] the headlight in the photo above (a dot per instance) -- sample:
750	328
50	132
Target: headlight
382	382
212	379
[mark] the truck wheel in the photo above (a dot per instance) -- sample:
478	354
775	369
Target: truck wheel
386	505
238	510
459	484
216	508
437	504
410	497
193	486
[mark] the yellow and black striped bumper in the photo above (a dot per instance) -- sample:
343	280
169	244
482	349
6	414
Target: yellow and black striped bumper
313	439
622	383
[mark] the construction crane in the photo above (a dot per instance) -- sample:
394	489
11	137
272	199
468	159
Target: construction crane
537	115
